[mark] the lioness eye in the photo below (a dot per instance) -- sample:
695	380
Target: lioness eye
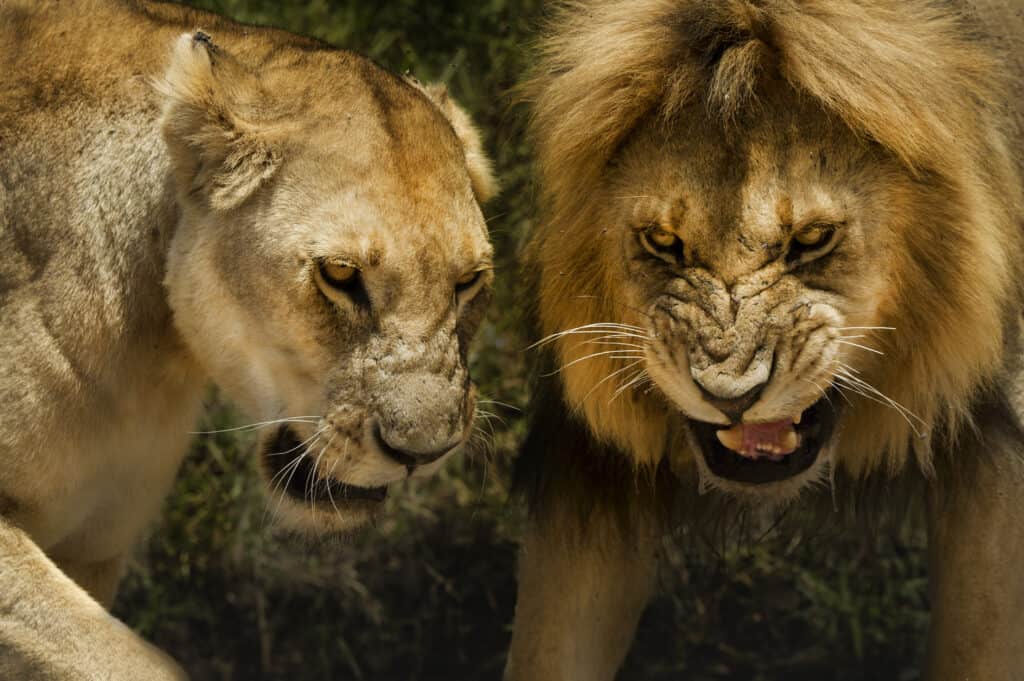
663	244
466	281
338	276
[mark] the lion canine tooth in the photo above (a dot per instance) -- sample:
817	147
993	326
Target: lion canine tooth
790	441
731	439
796	419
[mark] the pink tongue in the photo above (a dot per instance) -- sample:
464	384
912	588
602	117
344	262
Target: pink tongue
764	433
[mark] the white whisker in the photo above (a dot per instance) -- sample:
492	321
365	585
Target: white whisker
597	328
870	392
609	376
862	347
615	354
638	379
500	404
260	424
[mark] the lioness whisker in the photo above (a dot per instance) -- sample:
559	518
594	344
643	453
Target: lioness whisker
304	442
309	489
330	475
488	416
259	424
292	466
500	404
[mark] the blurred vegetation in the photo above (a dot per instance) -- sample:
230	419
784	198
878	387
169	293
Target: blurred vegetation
428	592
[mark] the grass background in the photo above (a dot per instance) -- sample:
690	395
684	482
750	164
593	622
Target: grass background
429	591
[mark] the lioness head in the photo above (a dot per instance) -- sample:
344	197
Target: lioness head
784	239
331	264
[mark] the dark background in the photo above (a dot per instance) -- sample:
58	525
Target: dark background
429	591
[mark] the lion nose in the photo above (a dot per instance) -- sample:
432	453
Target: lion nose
735	406
408	457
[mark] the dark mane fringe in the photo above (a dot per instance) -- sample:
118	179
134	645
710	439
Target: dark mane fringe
606	64
564	474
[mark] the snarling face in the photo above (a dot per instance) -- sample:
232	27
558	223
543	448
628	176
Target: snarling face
755	259
755	263
774	235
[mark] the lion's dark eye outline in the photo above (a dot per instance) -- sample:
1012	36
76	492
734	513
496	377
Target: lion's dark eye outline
800	252
671	250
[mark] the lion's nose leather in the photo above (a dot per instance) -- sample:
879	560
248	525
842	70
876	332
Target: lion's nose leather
735	406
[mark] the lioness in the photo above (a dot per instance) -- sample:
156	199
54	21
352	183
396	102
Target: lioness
781	246
231	203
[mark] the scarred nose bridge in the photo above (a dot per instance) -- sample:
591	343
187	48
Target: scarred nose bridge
735	331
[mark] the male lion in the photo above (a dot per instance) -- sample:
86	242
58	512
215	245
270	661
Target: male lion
284	218
781	246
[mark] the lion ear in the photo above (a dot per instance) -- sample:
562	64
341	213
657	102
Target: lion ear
219	152
481	172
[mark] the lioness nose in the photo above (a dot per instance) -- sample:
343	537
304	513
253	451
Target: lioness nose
735	406
409	457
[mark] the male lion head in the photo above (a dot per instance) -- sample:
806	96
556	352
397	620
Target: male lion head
331	264
778	234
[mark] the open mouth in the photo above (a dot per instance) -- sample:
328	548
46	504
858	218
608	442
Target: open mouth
290	466
759	453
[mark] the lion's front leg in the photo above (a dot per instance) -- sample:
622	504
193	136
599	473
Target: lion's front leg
580	598
976	546
52	630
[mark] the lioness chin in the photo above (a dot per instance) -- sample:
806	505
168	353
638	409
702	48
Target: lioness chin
783	253
182	199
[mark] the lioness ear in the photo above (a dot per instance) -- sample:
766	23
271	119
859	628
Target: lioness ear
210	124
481	173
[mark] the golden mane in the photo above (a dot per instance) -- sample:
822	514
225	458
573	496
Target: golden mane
919	79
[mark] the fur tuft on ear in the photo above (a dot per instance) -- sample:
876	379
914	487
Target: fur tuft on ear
481	171
219	152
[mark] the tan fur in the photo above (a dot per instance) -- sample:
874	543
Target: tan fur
735	125
167	197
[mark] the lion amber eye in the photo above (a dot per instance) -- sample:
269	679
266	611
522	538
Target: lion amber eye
662	238
816	235
337	275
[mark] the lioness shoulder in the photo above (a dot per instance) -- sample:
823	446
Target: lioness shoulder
184	199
